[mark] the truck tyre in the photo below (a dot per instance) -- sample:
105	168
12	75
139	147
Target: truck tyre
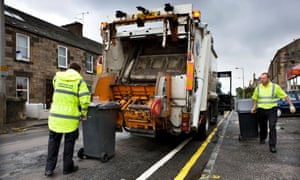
202	131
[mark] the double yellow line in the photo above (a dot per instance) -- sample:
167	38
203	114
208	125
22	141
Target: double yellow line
185	170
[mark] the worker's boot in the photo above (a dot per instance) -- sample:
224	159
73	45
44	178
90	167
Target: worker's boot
273	149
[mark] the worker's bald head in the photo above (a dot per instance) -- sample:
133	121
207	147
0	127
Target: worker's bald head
264	78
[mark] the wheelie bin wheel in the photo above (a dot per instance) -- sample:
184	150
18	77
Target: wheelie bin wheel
80	153
104	157
240	138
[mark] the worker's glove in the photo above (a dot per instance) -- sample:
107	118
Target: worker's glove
253	110
83	118
292	109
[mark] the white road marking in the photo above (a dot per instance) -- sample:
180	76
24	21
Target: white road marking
162	161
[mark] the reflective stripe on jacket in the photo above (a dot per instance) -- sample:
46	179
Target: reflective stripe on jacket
267	96
70	93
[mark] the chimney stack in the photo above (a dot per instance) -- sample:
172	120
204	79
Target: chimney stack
75	28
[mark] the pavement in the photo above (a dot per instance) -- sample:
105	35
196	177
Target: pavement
23	125
245	158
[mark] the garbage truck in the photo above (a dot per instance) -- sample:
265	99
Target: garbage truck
161	67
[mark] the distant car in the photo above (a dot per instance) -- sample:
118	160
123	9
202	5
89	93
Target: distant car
283	105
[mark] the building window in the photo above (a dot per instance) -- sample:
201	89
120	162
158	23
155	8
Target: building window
22	87
22	47
90	64
62	57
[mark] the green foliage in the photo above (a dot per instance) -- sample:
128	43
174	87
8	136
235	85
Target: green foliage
239	92
248	92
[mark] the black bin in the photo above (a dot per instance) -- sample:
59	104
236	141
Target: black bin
99	131
247	121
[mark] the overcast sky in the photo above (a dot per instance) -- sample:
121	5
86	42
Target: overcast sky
247	33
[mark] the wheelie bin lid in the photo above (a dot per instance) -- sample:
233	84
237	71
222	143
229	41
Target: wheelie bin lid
105	105
244	105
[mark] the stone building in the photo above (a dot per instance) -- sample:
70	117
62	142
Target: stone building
35	50
293	78
284	59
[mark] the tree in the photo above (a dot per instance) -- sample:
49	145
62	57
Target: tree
248	92
239	92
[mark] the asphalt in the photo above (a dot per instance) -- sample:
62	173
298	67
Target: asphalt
235	157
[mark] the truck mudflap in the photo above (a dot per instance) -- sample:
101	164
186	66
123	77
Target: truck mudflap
141	132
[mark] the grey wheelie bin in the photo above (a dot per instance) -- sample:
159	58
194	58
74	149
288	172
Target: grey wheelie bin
99	131
247	121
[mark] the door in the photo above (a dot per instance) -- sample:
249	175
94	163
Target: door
49	93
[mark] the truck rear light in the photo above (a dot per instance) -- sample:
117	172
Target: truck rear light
185	122
196	14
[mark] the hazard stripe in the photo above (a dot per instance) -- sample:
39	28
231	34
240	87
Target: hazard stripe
65	116
65	92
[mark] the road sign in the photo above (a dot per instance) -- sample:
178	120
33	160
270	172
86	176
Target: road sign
3	71
224	74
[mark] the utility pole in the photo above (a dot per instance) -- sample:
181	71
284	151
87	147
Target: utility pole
3	67
241	68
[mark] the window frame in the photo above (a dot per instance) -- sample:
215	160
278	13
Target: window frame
22	90
90	61
22	58
62	56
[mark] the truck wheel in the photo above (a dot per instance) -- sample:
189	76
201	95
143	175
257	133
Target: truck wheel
201	133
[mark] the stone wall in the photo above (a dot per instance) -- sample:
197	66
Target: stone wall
15	109
42	65
285	59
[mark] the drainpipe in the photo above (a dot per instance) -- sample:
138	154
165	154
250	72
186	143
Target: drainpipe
3	68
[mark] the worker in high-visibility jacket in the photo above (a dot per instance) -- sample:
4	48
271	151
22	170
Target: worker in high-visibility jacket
70	103
265	99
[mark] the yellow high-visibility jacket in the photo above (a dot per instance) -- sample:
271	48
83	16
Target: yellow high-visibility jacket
267	96
71	97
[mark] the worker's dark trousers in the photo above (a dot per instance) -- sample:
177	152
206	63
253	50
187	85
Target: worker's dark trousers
53	149
265	115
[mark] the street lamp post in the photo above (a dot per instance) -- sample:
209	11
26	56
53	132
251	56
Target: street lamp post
243	80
